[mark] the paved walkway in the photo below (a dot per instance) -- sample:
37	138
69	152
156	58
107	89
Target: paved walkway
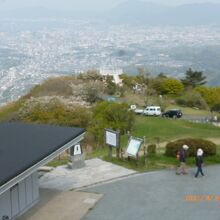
57	205
57	202
160	195
95	171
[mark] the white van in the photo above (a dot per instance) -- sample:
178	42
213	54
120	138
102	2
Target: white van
152	110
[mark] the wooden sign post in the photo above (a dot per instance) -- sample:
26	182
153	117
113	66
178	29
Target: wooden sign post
112	139
145	151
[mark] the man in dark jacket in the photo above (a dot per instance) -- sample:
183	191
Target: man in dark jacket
199	162
182	159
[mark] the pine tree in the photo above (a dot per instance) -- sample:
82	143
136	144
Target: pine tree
193	78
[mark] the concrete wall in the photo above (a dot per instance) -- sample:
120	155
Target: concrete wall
19	198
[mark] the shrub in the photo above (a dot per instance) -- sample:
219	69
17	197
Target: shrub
90	75
111	87
216	107
52	87
192	99
92	92
151	149
110	115
10	110
208	147
172	87
54	112
211	95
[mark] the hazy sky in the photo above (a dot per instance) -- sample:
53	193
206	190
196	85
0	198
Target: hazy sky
83	4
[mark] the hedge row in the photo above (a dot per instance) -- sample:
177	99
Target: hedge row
208	147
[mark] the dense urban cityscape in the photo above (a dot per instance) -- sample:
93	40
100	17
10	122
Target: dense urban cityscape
53	47
109	109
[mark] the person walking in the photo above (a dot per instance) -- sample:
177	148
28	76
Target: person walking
199	162
182	159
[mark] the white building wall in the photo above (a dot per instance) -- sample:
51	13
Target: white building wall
19	198
5	205
108	72
22	195
15	206
35	183
115	73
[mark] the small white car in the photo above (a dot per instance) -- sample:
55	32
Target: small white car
152	111
136	110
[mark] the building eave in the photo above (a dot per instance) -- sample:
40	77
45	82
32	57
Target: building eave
36	166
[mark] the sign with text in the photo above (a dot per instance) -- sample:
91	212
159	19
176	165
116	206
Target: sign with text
134	145
76	150
112	138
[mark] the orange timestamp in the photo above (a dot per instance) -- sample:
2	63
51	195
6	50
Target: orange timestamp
202	198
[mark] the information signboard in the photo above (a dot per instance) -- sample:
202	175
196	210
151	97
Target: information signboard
134	145
112	138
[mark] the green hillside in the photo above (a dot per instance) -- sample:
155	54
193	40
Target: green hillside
169	129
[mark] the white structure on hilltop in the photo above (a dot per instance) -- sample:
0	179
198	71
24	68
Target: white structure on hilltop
114	73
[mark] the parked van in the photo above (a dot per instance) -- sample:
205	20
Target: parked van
152	110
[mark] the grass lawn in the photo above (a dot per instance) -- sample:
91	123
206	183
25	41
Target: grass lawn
163	129
57	162
192	111
153	162
138	100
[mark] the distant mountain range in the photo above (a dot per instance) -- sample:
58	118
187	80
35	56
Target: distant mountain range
153	14
135	12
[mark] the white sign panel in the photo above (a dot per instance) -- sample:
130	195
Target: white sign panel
77	150
112	138
133	146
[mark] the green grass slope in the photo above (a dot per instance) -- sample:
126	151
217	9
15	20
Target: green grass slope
168	129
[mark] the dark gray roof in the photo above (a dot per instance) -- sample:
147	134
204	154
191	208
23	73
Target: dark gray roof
24	145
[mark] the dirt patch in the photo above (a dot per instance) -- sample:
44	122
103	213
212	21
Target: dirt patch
214	140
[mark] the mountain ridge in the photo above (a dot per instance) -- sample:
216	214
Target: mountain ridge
134	12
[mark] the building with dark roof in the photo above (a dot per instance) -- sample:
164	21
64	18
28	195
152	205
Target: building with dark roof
24	148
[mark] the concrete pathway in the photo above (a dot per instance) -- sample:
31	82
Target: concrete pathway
59	202
95	171
160	195
57	205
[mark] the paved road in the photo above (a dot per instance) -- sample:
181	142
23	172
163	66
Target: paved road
198	118
160	195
